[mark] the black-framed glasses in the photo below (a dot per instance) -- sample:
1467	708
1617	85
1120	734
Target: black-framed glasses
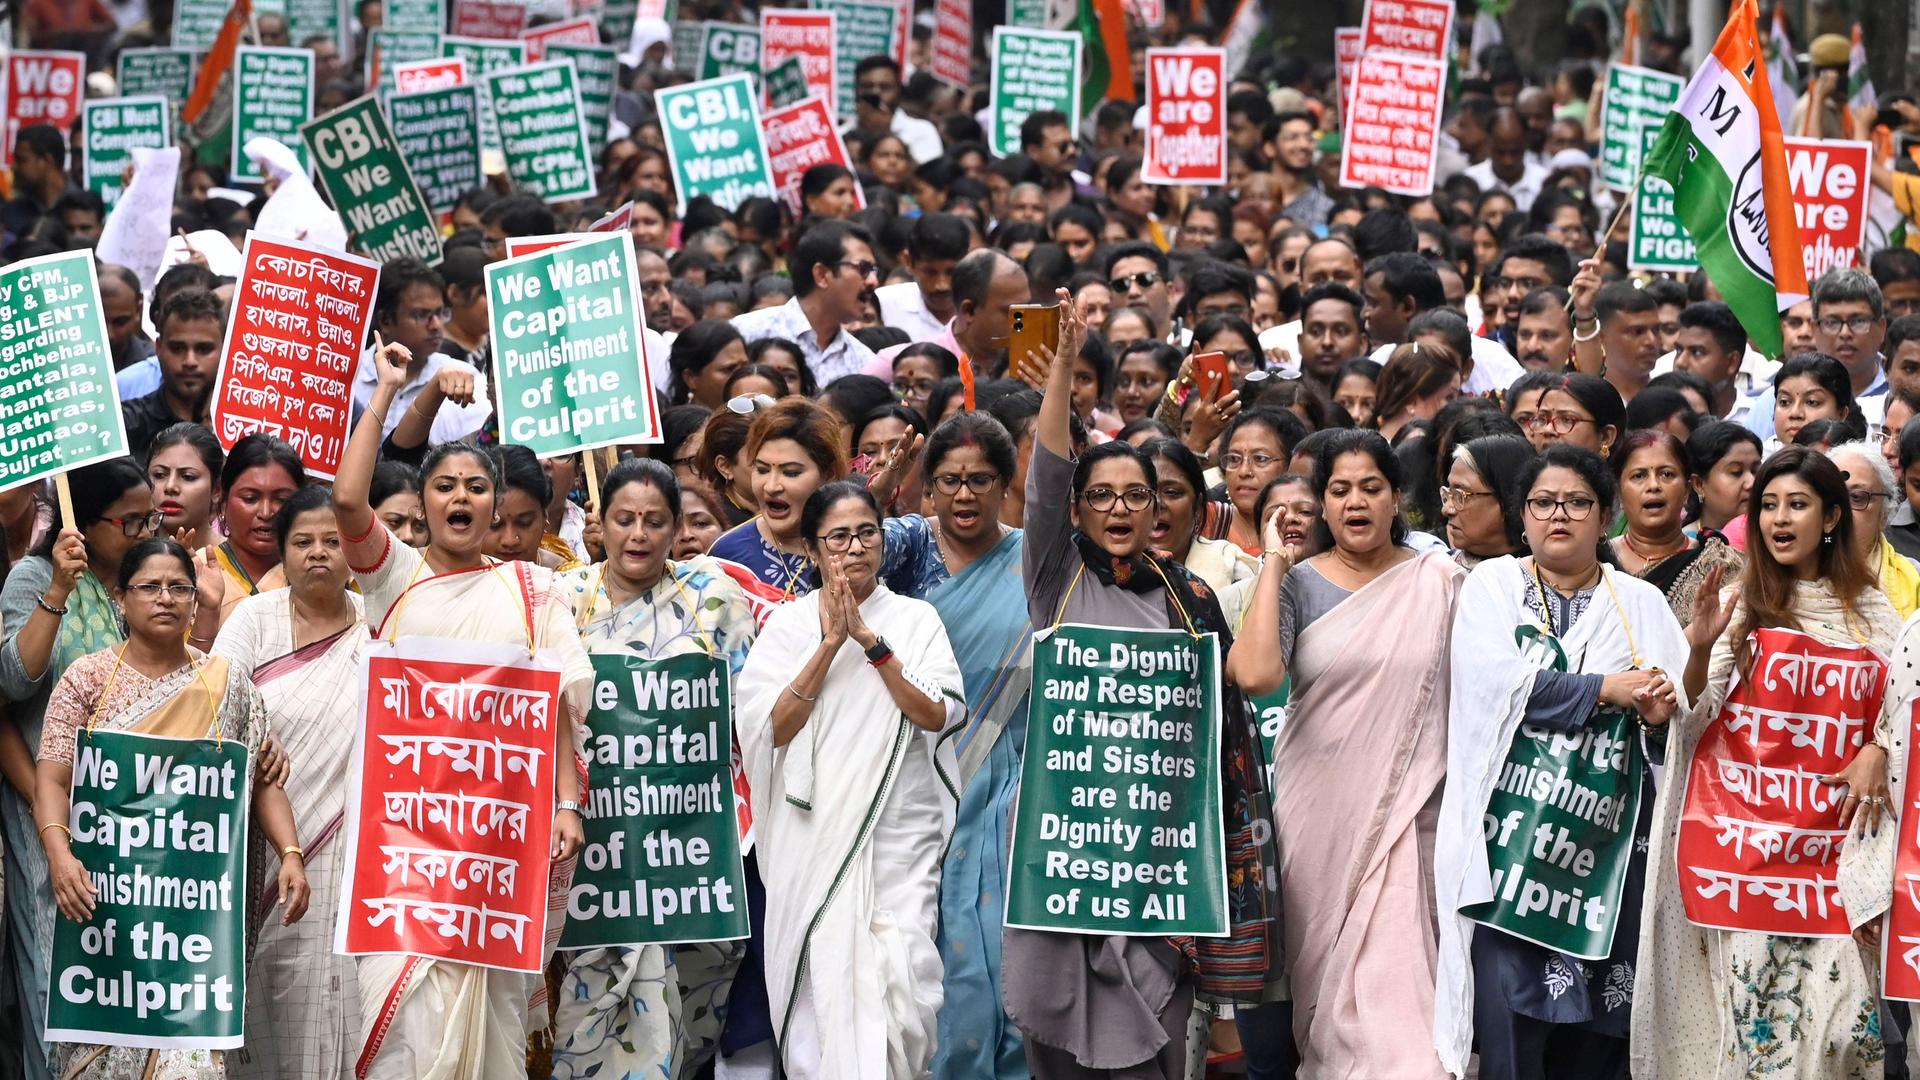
1146	279
840	540
1103	498
864	267
1861	498
979	483
151	591
1833	324
1523	284
423	316
133	527
1576	507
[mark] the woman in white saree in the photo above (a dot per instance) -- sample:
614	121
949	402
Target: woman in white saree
854	795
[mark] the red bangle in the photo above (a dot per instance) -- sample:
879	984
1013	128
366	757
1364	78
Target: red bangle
884	657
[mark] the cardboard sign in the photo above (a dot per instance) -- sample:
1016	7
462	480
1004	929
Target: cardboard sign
489	18
810	35
1393	124
597	70
714	141
197	22
1033	71
1760	836
159	72
302	315
1657	240
391	48
273	96
618	16
861	28
581	31
727	48
787	84
57	400
798	138
423	15
1186	117
1636	98
542	133
1346	57
1027	14
689	39
135	234
438	133
43	88
160	825
1900	938
111	130
569	360
483	59
953	43
416	75
1831	182
450	802
662	862
1148	13
1409	27
319	18
369	180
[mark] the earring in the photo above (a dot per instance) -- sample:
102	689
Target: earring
1826	538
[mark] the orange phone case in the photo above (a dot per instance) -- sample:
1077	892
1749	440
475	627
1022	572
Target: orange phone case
1032	327
1210	376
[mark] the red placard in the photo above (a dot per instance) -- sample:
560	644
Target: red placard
411	78
615	220
902	32
788	32
580	31
489	18
1149	13
953	43
1901	937
300	319
1760	835
1346	57
1830	182
1413	27
1186	116
43	88
799	137
450	815
1392	123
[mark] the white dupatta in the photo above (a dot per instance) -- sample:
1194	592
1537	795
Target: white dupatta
1492	681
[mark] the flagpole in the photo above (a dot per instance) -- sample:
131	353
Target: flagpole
1620	214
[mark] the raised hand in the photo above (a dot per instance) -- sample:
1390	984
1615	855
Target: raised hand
1711	611
390	360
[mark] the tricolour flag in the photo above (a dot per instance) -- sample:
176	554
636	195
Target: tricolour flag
1781	68
1859	78
218	61
1723	152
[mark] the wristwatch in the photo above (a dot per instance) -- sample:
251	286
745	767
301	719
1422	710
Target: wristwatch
879	650
569	804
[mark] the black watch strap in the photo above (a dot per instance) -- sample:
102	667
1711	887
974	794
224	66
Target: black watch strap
879	649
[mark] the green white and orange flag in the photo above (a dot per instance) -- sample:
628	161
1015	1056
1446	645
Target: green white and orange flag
1723	152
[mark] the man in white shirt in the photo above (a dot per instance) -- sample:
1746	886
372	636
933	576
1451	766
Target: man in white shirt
876	88
1713	345
410	308
832	266
1399	287
922	307
1507	167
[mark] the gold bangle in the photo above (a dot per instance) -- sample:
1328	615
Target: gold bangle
57	825
293	849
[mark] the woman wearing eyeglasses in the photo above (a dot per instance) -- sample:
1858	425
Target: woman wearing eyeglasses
1871	495
843	704
1584	410
153	684
1724	1003
57	609
1091	1006
1254	449
1560	642
1655	475
1474	500
1365	744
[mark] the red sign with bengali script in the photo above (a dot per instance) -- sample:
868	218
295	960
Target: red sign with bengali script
1392	119
1830	179
1413	27
1900	939
788	32
1186	116
300	319
450	816
43	88
580	31
1760	835
799	137
1346	57
953	43
498	19
420	75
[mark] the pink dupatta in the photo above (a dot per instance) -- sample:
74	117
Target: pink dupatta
1356	798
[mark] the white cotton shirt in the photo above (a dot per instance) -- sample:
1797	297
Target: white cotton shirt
1524	190
842	356
1494	368
450	423
904	308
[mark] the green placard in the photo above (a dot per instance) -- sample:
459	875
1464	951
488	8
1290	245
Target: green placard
542	133
597	68
163	71
787	83
1033	71
58	407
273	96
366	176
398	47
1118	829
1031	14
1657	240
111	128
617	19
1559	827
729	49
307	19
161	827
484	57
714	141
428	15
861	28
662	862
197	22
567	361
1636	98
439	136
1270	714
689	38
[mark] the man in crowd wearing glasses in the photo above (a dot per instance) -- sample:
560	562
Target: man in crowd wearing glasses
410	308
1047	138
1849	324
832	268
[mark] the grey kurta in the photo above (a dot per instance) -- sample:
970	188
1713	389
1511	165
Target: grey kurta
1089	1006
